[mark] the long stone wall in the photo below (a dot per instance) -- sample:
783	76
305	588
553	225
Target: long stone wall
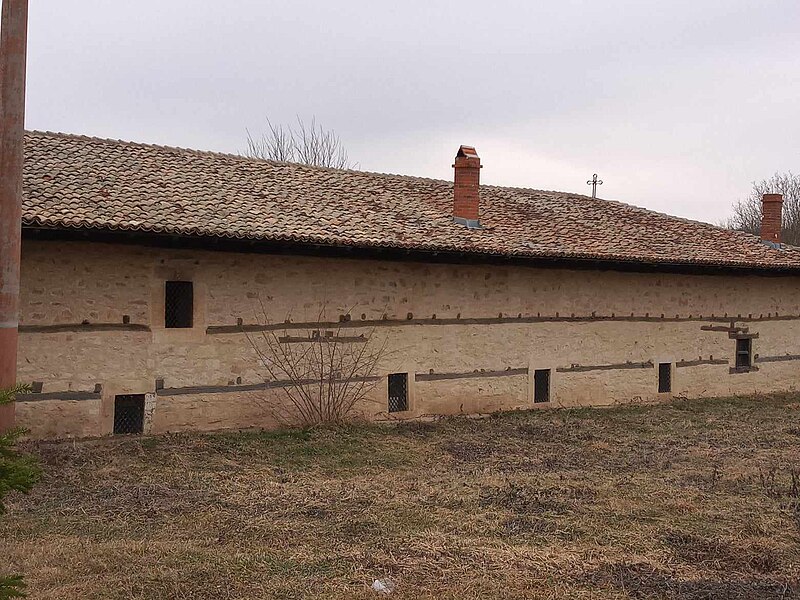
470	336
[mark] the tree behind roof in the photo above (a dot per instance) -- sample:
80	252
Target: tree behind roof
747	212
308	144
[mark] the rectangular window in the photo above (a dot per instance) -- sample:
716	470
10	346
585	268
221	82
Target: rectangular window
398	392
744	349
664	378
129	413
541	385
178	304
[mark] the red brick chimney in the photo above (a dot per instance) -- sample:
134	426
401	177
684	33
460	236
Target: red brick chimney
466	196
771	205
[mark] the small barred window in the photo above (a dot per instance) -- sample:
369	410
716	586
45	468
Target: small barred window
178	304
541	385
398	392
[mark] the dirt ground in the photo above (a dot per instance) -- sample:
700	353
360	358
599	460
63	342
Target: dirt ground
693	499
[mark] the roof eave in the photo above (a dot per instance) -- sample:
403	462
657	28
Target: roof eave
296	245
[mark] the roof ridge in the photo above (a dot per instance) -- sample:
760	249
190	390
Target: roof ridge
229	155
677	218
619	203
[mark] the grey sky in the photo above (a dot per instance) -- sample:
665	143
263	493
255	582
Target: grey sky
677	105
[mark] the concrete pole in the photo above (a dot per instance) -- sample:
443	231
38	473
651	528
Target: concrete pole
13	46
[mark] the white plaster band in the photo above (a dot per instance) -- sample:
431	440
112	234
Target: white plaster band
9	325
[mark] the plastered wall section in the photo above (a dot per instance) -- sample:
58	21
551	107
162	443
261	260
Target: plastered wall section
93	315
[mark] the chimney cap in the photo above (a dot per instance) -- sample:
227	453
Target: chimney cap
467	152
772	198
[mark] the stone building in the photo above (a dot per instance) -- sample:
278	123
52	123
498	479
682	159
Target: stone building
143	266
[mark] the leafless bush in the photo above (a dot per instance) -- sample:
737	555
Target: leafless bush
308	144
323	371
747	212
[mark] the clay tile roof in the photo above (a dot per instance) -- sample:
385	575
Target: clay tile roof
80	182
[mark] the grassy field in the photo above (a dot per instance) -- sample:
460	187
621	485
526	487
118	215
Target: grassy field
695	499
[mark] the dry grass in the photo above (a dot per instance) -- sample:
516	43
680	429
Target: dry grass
689	500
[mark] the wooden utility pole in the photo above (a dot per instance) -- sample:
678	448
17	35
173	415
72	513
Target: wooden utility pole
13	49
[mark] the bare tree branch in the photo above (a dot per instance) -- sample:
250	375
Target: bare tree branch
747	212
308	144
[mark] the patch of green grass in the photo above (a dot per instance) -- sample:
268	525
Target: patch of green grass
329	448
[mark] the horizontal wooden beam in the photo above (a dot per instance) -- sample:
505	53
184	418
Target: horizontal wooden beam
742	336
228	389
509	320
470	374
700	361
374	323
625	365
724	329
324	339
778	358
66	395
82	327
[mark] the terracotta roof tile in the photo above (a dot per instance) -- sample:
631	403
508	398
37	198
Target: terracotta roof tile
80	182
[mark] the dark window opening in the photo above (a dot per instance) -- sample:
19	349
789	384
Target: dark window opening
744	349
129	414
398	392
541	385
178	304
664	377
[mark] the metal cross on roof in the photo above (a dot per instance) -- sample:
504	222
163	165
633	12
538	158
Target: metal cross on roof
594	182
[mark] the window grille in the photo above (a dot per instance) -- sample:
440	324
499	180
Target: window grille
664	377
744	349
398	392
541	385
178	304
129	414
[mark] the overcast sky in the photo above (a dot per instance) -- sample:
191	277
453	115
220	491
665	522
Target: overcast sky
678	105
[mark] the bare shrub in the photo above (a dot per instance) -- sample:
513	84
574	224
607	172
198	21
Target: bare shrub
322	372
